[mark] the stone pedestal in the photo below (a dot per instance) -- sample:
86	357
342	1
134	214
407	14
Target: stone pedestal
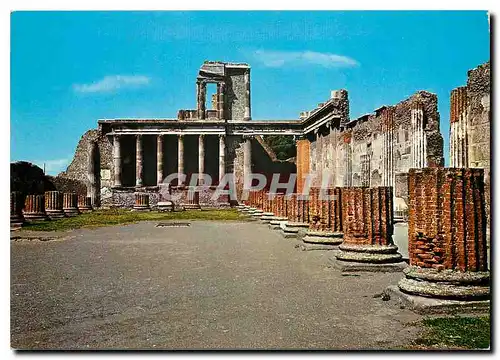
446	240
16	209
54	205
34	208
141	202
84	203
70	204
368	244
325	220
192	200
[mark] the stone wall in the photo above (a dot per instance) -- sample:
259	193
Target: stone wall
235	93
369	151
78	168
470	125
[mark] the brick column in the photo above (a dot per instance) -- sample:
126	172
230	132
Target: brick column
141	202
325	220
159	159
139	150
220	100
117	162
84	203
180	158
54	204
34	208
447	234
70	204
368	230
16	209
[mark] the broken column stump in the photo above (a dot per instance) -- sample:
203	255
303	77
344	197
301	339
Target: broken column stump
34	208
267	207
448	268
16	209
70	204
141	202
54	205
280	212
368	244
325	220
295	228
84	203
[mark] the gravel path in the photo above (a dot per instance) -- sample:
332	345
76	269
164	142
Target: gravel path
214	285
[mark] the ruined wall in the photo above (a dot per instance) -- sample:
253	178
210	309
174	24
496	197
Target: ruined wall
470	125
372	149
78	168
235	93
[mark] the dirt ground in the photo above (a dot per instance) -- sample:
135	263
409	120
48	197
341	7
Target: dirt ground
212	285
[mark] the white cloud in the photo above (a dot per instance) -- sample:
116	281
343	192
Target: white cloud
53	167
112	82
297	58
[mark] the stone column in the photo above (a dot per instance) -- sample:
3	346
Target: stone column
201	89
84	203
54	204
368	230
447	235
70	204
141	202
180	158
248	114
34	208
159	159
222	156
139	150
117	162
201	157
16	209
247	161
220	100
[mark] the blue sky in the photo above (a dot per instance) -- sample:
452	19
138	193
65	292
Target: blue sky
68	69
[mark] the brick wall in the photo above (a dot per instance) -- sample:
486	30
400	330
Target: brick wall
303	158
447	223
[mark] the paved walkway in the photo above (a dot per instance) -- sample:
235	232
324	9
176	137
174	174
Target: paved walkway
212	285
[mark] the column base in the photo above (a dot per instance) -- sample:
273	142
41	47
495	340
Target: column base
446	284
427	306
55	214
323	237
368	258
85	209
141	208
70	212
34	217
277	224
294	230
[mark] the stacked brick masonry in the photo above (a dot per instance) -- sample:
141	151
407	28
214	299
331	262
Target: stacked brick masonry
447	224
368	216
302	160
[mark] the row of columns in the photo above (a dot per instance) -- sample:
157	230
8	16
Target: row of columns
117	162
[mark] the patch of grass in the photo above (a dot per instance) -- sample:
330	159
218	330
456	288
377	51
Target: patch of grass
108	217
455	332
